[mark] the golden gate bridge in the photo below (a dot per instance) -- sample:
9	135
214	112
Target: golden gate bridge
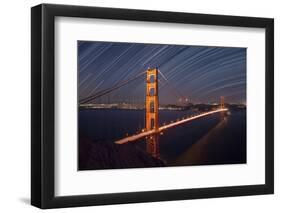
152	129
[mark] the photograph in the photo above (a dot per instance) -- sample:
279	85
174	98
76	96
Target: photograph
134	105
143	105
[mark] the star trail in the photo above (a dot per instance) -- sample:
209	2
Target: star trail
200	73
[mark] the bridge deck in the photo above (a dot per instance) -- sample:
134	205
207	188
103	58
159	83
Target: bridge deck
162	128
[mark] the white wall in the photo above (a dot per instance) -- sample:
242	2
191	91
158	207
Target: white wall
15	105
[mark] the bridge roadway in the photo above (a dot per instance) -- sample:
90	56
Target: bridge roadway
167	126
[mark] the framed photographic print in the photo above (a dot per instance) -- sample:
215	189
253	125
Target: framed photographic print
139	106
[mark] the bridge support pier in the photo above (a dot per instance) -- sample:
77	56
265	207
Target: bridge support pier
222	102
152	114
222	106
152	145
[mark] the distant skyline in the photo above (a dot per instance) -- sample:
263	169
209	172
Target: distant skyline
199	73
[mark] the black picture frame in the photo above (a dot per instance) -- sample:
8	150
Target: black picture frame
43	117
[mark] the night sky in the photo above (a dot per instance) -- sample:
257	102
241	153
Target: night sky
199	73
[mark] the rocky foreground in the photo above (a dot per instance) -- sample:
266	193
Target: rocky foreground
113	156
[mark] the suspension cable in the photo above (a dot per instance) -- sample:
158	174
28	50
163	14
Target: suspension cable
108	90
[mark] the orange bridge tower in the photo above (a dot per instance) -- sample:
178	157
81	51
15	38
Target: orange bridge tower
152	111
